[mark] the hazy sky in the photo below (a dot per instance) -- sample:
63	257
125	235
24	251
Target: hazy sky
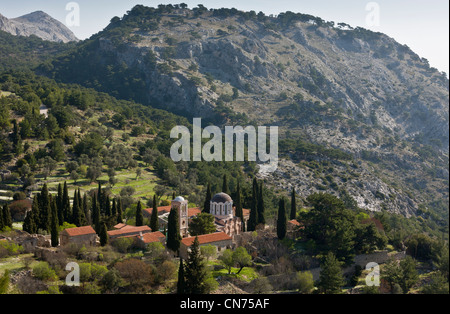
423	25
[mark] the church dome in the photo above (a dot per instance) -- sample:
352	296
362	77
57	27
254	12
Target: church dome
221	198
179	199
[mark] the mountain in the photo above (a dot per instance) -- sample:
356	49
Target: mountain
359	114
39	24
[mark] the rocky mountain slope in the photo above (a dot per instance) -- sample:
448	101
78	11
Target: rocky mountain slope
39	24
357	111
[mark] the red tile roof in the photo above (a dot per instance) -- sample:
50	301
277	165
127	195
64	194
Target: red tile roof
161	210
194	211
129	229
73	232
207	238
153	237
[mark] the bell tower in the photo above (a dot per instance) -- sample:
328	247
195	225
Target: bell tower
182	206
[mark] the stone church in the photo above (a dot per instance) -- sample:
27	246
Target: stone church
221	207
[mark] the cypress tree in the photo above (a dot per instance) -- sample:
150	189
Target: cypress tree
196	271
29	224
281	221
207	203
181	280
253	219
60	204
85	209
225	188
261	219
54	224
7	220
239	212
293	205
44	209
66	204
95	214
173	231
154	220
107	206
76	211
139	216
119	211
103	235
2	224
114	207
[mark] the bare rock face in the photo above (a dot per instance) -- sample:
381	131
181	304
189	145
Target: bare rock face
39	24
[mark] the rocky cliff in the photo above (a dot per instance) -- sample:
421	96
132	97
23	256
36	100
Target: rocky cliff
347	90
39	24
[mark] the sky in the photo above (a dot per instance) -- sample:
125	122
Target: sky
423	25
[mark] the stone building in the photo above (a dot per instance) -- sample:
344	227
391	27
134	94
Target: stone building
221	207
80	235
127	231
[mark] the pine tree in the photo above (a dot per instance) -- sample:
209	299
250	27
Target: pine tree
103	235
195	271
293	205
54	224
281	221
207	203
173	231
154	220
239	212
181	280
261	219
139	216
331	279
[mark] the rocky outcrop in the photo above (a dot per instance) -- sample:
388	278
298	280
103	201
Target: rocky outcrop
39	24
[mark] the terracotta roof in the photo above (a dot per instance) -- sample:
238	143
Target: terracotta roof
79	231
161	210
129	229
153	237
207	238
194	211
120	226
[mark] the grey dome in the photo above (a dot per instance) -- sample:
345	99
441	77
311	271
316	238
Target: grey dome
221	198
179	199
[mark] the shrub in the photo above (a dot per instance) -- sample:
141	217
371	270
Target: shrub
43	271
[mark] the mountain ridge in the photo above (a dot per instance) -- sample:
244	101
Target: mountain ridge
40	24
348	90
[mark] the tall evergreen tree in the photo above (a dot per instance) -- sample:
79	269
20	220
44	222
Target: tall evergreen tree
2	224
139	216
173	231
103	235
253	219
95	214
293	214
196	272
66	204
29	224
119	211
239	212
331	279
76	211
114	207
7	220
181	280
85	208
44	209
54	224
281	221
225	188
207	203
107	206
261	219
154	220
60	204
